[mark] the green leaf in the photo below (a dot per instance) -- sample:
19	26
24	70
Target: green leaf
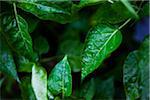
15	30
100	42
97	89
135	71
7	64
118	12
75	63
32	23
129	7
70	40
8	85
131	75
144	68
39	82
50	96
1	81
48	10
74	56
145	10
104	89
88	90
24	65
41	45
84	3
67	47
60	79
26	89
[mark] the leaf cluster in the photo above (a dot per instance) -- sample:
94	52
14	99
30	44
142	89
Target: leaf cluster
62	49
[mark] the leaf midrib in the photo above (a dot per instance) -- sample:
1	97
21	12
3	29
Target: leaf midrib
19	29
115	31
37	4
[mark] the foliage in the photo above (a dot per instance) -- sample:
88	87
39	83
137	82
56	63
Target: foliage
135	72
68	49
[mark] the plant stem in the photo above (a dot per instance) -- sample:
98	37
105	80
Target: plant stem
124	23
16	17
15	11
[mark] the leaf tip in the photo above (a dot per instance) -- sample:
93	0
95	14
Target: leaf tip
65	57
18	80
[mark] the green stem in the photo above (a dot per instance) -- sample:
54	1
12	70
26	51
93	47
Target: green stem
15	11
126	22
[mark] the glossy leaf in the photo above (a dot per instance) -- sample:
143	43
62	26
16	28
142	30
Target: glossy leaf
7	65
41	45
26	89
60	79
101	41
48	10
39	82
16	33
135	73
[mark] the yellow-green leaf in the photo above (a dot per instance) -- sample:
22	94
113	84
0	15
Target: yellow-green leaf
39	82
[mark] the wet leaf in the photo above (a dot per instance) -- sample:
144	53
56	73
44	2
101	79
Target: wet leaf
48	10
101	41
60	79
15	30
